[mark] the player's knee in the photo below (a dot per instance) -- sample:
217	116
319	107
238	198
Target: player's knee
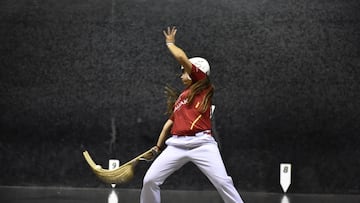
149	181
223	182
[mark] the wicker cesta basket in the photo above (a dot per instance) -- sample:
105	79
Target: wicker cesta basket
122	174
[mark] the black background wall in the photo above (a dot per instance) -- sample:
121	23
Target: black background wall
79	75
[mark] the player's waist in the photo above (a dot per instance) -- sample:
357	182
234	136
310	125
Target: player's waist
205	132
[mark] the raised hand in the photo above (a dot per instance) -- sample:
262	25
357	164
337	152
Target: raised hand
170	34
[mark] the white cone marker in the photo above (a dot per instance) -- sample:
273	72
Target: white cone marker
285	176
113	164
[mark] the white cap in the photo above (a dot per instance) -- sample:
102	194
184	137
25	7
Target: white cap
200	63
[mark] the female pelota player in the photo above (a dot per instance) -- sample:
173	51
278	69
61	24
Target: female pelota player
190	128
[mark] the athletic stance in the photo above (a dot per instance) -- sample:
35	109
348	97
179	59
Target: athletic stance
190	128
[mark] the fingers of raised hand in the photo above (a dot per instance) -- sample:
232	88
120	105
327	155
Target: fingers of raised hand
173	30
170	31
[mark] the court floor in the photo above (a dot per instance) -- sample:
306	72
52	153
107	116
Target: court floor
109	195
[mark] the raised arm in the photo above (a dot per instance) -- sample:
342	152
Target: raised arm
177	52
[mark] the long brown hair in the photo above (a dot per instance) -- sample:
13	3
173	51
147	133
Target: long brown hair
201	85
172	95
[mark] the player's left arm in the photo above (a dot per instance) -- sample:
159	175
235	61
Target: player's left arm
163	134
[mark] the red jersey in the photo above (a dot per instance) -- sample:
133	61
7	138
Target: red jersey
187	117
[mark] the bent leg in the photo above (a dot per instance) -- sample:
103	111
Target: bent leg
170	160
209	161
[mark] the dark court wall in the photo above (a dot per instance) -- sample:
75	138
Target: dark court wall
90	75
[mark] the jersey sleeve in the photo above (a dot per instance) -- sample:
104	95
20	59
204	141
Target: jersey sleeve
196	74
171	117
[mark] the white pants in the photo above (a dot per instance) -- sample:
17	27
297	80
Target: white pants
202	150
